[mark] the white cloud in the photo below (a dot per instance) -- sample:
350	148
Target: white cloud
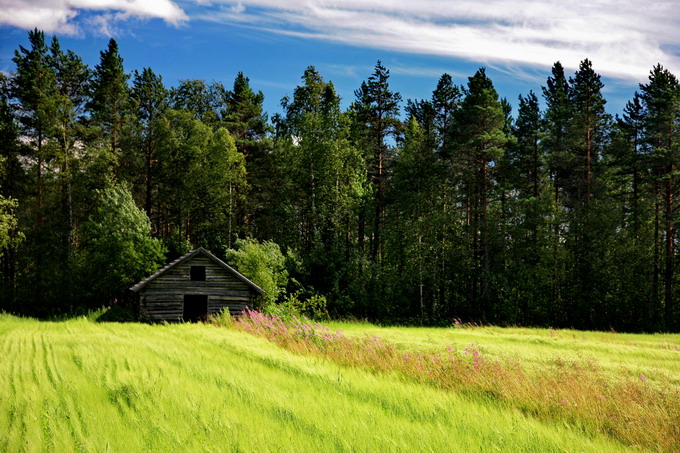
58	15
623	38
419	71
238	8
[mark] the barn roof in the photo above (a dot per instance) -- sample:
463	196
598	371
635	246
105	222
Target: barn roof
187	257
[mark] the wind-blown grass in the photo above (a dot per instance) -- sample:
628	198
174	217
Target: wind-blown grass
572	391
617	355
84	386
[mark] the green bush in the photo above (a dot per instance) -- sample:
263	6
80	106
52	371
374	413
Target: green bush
221	319
263	263
116	313
284	310
314	307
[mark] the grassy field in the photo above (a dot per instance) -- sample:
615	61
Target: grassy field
592	382
83	386
616	355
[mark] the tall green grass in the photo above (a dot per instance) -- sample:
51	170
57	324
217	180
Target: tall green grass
82	386
572	391
616	355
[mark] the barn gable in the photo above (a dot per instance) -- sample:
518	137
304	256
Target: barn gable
193	286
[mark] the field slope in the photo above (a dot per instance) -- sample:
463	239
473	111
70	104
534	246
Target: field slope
82	386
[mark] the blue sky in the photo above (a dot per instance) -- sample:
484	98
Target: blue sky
273	41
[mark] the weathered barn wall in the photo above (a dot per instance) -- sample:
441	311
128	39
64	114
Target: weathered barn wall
163	298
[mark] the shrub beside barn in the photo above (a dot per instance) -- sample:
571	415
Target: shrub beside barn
194	286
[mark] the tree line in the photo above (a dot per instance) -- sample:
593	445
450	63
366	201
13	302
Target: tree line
560	215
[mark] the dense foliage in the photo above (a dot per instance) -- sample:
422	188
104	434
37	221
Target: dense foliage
555	216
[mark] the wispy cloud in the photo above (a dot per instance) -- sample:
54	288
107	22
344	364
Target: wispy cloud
424	71
59	15
345	70
624	38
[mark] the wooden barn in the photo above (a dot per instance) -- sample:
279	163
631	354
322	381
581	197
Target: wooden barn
192	287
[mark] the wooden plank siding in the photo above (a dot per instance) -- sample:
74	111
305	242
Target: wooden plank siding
162	299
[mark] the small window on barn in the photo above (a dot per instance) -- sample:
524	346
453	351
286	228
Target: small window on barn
197	273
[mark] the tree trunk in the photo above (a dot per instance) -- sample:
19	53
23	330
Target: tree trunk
668	272
486	260
420	277
66	192
347	238
361	231
657	245
588	161
231	213
535	169
149	163
557	290
377	224
39	182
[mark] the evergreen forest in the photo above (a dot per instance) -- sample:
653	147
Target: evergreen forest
420	211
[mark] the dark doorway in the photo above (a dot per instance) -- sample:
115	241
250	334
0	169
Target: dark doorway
195	308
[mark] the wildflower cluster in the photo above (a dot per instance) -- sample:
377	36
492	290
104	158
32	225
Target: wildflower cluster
458	324
303	335
670	344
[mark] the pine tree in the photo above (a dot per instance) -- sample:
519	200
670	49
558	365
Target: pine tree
72	77
589	125
629	153
35	89
244	117
531	206
109	103
661	98
558	116
376	109
638	306
556	143
528	130
588	223
150	98
445	101
481	138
